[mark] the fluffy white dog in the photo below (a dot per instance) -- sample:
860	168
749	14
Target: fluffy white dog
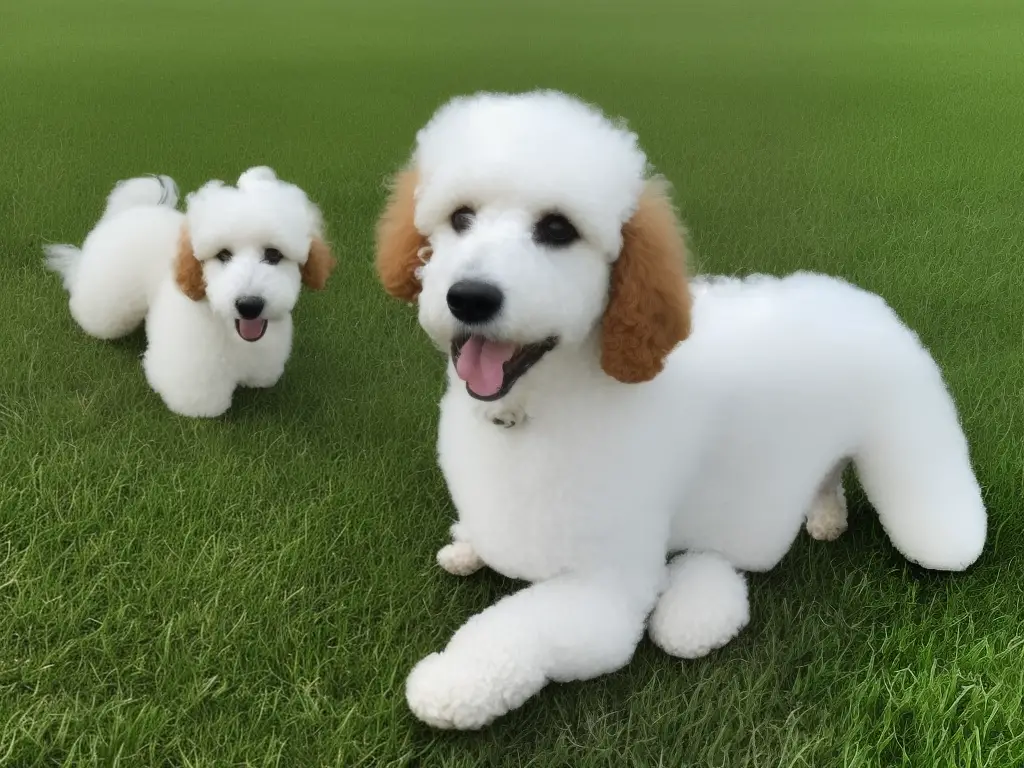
215	285
583	444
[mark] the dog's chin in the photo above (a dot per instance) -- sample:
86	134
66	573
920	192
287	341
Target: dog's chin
491	367
251	330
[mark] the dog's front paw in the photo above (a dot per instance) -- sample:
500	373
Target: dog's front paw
197	408
264	382
704	607
457	691
459	559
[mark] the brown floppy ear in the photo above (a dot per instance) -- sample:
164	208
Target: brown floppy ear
319	265
188	271
401	249
648	309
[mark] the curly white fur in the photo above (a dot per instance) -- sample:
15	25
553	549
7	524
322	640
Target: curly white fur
742	437
124	275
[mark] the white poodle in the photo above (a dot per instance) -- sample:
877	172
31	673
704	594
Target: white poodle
584	445
215	285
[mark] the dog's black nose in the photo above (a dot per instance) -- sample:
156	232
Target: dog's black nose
249	307
474	302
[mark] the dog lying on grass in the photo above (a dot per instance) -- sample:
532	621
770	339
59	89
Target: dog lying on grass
625	439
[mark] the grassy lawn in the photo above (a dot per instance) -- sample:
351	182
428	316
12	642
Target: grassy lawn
254	590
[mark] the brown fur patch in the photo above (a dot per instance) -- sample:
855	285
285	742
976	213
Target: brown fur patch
399	243
188	271
319	265
649	299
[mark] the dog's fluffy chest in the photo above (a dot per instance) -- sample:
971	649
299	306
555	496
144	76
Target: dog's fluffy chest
552	494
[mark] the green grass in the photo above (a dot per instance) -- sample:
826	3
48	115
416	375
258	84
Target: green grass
254	590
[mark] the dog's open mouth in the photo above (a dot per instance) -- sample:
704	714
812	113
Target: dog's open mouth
251	330
490	368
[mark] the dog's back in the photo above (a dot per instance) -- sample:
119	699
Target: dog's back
113	277
141	191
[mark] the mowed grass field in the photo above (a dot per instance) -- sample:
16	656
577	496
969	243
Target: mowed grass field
253	590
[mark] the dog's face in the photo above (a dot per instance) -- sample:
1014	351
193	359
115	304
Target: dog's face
522	225
249	249
506	282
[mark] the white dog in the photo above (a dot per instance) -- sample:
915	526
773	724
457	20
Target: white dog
583	444
215	285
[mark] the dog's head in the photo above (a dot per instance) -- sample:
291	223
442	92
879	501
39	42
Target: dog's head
526	223
248	249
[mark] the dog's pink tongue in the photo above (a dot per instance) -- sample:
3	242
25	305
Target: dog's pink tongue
480	364
250	330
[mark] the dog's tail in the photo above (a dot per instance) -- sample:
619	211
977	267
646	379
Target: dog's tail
63	259
915	467
142	190
150	190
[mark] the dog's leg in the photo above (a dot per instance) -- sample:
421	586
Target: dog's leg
826	519
459	558
568	628
185	387
704	607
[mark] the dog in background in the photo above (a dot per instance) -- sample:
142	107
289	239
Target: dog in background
215	285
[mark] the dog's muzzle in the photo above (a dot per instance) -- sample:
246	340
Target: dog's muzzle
490	368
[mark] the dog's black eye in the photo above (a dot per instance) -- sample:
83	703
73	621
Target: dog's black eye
554	229
272	255
462	219
223	255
